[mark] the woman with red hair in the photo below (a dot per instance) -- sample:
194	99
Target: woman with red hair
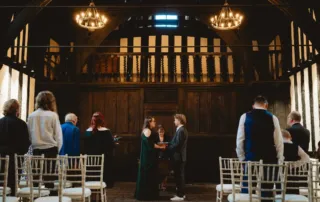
99	141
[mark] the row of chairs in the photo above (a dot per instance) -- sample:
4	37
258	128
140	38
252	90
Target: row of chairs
63	179
250	181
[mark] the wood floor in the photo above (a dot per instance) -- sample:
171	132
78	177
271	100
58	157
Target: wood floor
123	191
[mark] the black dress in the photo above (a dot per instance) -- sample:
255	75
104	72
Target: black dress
101	142
147	180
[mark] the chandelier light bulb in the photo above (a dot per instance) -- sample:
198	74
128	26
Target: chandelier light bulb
226	20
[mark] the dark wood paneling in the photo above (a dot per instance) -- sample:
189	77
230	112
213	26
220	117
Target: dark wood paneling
204	111
111	110
85	112
122	112
192	111
133	111
161	96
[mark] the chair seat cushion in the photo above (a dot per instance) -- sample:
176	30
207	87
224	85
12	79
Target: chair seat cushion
22	183
293	198
242	198
227	188
95	185
26	192
76	193
10	199
304	191
53	199
68	184
7	192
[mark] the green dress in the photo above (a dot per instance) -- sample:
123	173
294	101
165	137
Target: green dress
147	181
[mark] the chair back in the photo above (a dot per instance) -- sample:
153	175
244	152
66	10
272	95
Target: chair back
314	180
4	169
20	169
95	167
272	178
241	174
43	172
298	175
76	170
225	170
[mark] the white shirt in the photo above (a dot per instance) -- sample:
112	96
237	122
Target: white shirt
304	157
278	141
45	130
178	127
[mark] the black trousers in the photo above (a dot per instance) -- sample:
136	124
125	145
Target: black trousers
48	153
179	176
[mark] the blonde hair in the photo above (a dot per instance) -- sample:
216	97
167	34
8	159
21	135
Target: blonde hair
11	107
46	101
182	118
286	134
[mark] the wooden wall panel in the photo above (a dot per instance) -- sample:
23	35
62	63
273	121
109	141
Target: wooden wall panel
111	110
192	111
133	111
98	102
122	112
204	111
85	112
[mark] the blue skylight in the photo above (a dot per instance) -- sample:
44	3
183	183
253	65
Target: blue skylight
166	17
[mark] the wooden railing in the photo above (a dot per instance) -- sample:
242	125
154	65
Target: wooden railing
150	67
161	67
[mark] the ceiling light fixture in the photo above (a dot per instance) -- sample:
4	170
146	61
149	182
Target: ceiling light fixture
91	19
226	20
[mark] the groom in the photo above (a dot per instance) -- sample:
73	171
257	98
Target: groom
178	147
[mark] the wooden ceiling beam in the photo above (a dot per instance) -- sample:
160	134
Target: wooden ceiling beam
27	15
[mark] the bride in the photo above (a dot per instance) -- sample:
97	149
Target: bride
147	180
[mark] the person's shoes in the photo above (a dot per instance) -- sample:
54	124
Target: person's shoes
177	198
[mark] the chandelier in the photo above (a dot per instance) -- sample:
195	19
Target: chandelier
91	19
226	20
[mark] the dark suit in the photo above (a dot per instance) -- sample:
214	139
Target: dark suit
178	148
14	138
300	136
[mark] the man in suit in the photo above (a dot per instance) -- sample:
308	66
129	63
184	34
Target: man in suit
178	148
259	137
71	136
300	135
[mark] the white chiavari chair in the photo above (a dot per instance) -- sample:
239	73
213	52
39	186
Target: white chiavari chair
50	170
272	179
314	181
254	178
4	169
23	188
94	177
225	186
297	176
76	173
4	190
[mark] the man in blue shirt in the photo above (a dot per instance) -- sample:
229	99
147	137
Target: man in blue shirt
71	136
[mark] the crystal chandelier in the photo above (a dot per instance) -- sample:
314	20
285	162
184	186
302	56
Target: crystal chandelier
91	19
226	20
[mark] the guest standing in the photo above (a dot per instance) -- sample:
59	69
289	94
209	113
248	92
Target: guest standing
300	135
164	167
44	126
178	148
259	137
14	137
293	152
99	140
147	180
71	136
